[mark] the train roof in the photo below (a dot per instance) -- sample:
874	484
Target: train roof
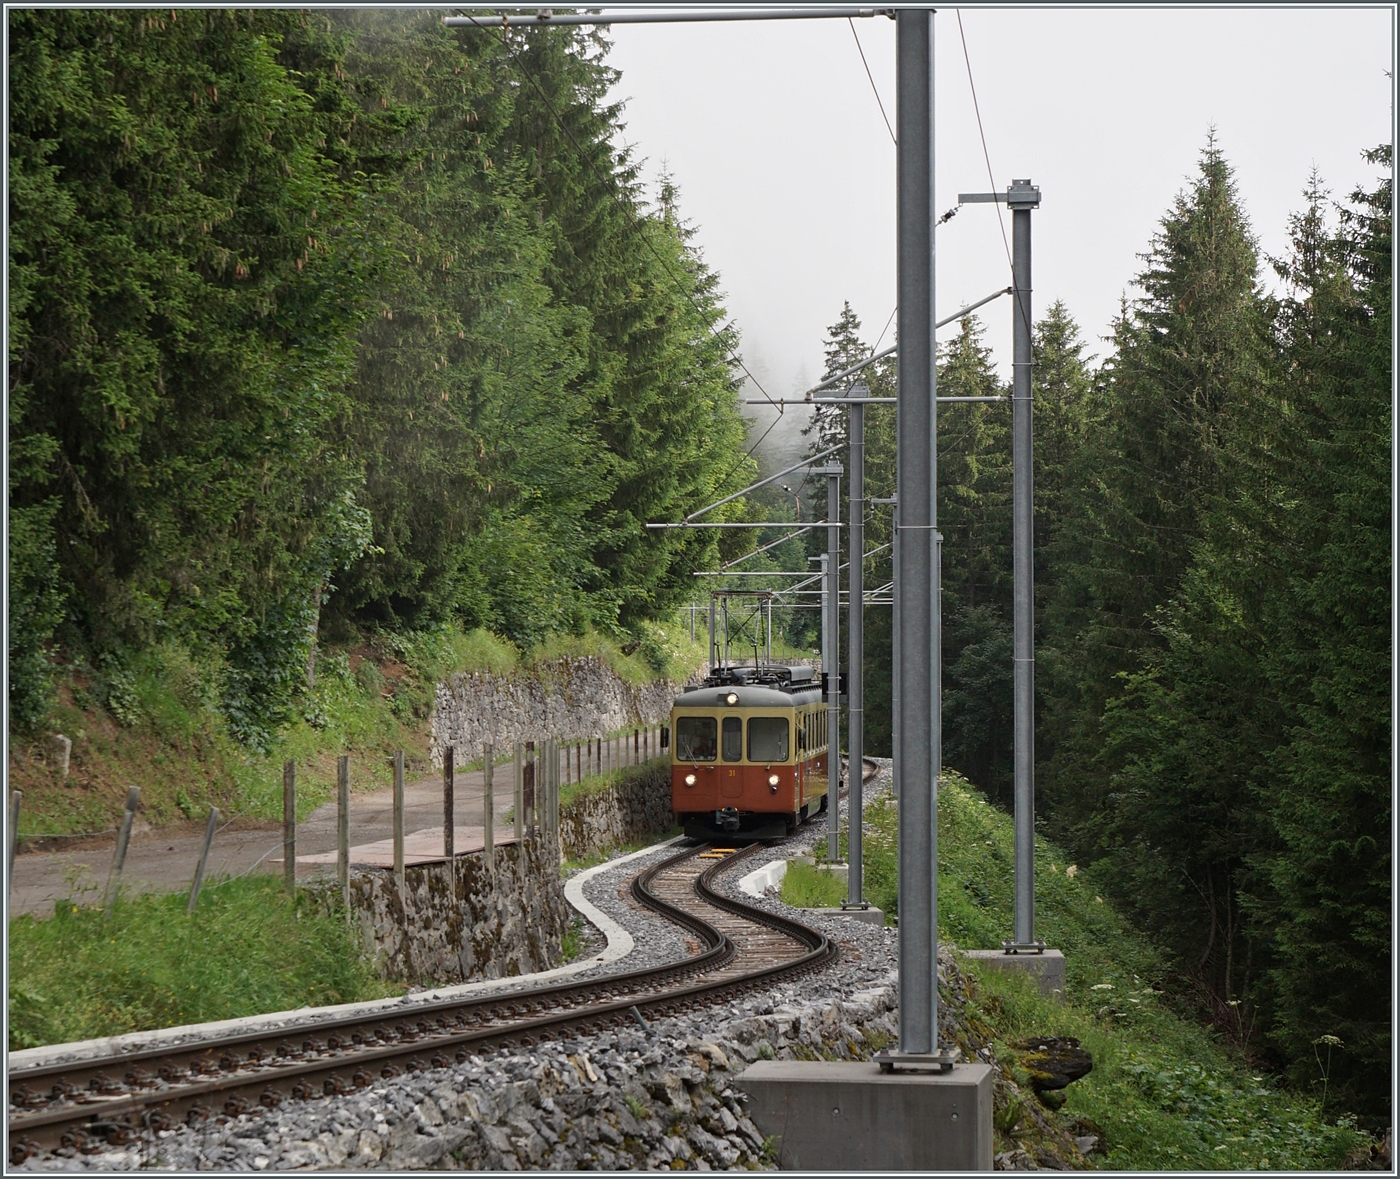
768	686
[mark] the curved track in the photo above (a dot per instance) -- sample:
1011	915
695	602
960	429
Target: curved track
118	1099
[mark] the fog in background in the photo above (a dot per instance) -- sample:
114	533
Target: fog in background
786	168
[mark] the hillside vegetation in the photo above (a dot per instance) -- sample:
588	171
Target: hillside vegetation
336	320
335	338
159	727
1213	588
1165	1092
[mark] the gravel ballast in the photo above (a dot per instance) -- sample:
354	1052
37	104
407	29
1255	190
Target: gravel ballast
660	1097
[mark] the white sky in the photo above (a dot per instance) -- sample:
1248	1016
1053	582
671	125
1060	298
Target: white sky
785	165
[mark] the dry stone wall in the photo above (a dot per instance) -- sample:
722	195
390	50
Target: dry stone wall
487	926
480	925
566	699
633	808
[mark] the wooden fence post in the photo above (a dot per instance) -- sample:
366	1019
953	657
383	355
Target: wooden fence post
114	877
203	859
531	787
398	822
519	792
449	817
15	796
289	825
554	805
342	830
488	807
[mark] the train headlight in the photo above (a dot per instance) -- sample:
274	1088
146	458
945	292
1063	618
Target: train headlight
732	698
690	779
772	779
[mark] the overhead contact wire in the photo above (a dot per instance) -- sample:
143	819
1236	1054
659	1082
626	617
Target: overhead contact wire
977	110
873	87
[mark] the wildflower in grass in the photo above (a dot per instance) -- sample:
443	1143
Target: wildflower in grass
1102	987
1072	871
1331	1042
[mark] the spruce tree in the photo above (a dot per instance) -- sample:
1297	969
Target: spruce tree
1323	892
1188	354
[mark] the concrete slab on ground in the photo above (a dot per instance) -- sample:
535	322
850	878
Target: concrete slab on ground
1047	967
849	1116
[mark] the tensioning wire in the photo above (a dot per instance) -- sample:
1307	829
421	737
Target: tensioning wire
1001	222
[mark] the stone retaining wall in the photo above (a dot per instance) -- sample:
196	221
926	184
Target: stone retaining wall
631	809
507	925
487	928
514	924
567	699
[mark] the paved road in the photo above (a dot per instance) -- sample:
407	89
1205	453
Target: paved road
164	859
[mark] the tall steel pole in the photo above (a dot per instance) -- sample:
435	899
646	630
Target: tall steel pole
714	656
1021	197
832	569
918	639
855	662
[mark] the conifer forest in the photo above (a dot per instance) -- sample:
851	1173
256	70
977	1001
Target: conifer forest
336	322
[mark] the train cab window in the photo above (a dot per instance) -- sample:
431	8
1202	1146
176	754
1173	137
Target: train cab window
695	738
733	738
768	738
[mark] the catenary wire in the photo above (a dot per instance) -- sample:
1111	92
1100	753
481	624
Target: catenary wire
1001	222
868	74
883	330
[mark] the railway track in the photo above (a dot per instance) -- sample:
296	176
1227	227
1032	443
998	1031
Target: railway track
120	1099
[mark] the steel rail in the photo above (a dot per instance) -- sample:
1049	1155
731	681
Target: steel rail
87	1108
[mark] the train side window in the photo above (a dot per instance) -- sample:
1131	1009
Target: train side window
695	738
733	738
768	738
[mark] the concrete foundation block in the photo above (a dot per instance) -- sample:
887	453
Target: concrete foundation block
871	916
849	1116
1047	967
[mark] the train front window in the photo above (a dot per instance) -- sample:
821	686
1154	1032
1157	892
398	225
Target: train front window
695	738
768	738
733	738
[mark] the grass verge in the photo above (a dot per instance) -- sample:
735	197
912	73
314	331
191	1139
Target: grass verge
1165	1093
804	887
249	949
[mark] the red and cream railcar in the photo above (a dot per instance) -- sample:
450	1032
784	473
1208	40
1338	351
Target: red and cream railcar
749	753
